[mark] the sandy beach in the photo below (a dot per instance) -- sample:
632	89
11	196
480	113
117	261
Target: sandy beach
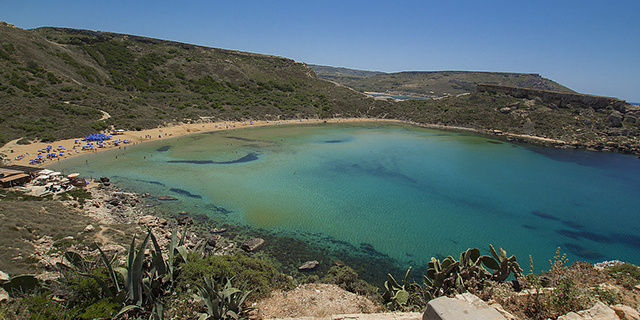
22	154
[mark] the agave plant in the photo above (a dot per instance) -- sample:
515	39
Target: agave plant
142	285
223	302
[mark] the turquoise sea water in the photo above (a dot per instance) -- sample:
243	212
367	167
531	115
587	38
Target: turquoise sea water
410	193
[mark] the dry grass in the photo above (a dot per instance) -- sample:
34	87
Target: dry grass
313	300
23	222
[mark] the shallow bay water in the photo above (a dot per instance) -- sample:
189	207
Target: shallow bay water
406	192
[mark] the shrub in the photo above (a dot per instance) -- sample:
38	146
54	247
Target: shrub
48	137
52	78
626	274
347	278
23	141
43	307
80	195
100	309
99	126
259	275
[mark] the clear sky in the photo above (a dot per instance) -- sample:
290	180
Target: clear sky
589	46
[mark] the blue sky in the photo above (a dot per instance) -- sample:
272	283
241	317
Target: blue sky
590	46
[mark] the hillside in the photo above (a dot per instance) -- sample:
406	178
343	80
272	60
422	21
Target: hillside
431	84
340	74
58	83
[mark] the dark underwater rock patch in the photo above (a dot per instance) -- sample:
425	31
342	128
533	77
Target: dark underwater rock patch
186	193
147	181
334	141
248	158
163	148
572	224
583	252
242	139
627	239
544	215
585	235
191	161
218	209
367	247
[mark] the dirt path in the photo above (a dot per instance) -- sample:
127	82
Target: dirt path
105	115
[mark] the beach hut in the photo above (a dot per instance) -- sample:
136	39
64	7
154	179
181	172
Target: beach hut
14	180
11	177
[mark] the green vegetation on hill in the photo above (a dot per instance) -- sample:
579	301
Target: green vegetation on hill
54	82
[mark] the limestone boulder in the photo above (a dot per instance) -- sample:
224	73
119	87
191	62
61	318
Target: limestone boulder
182	220
630	117
252	244
599	311
625	312
615	119
464	306
149	221
4	278
309	265
211	239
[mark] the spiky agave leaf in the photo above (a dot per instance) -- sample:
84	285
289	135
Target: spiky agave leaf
136	272
112	274
158	261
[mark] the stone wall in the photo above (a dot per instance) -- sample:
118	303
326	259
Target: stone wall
560	99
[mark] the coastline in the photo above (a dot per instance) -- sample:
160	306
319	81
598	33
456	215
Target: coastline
30	151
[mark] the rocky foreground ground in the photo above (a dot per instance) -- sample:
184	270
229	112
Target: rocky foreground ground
36	233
